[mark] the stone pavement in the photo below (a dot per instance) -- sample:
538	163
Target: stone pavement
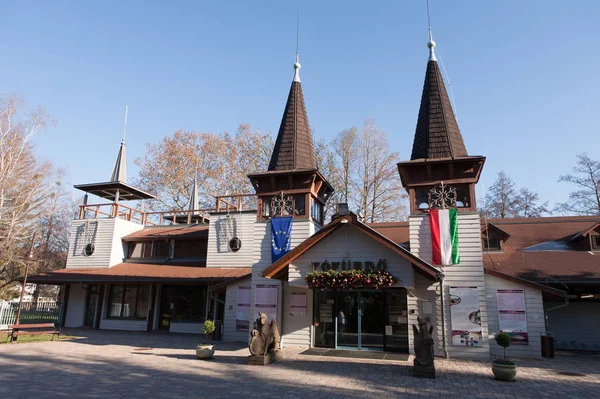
121	365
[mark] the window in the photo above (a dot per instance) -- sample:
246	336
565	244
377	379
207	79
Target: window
183	303
161	249
596	242
299	204
316	211
422	197
140	250
128	301
190	249
491	244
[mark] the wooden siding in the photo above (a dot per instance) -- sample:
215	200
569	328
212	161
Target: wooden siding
105	234
75	310
222	229
468	273
347	242
575	326
301	230
425	291
230	333
297	330
535	317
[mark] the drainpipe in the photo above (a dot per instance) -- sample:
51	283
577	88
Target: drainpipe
443	317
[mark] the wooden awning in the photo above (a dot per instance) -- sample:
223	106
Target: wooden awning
108	190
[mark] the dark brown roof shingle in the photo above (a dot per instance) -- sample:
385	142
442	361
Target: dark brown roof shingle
294	148
437	134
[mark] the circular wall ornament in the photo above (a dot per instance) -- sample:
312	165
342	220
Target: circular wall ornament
88	250
235	244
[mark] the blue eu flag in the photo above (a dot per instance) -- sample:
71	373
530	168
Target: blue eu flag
281	236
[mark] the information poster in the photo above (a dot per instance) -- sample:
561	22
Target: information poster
265	300
512	316
465	314
298	304
242	318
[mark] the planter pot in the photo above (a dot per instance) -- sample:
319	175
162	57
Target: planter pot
205	352
504	372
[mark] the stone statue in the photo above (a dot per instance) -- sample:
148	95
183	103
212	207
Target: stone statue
424	361
265	336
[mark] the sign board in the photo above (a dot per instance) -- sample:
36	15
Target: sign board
465	315
298	304
388	330
265	300
242	318
512	317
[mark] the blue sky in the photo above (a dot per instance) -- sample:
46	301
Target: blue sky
524	74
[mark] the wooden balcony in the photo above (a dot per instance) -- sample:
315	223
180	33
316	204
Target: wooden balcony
224	203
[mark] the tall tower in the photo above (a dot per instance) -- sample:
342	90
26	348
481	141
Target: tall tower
292	185
439	156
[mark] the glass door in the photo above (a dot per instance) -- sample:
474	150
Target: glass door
348	319
372	320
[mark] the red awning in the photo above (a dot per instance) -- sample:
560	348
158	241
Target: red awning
142	272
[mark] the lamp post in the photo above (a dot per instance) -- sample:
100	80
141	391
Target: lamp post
28	258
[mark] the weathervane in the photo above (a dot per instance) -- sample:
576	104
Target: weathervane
442	196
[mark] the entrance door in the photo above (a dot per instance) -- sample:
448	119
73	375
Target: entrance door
90	308
348	319
360	319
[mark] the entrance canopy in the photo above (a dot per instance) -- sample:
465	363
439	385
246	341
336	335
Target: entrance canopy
143	273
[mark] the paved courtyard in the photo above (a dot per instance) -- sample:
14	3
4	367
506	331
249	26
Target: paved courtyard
134	365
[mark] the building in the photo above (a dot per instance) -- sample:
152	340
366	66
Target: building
134	270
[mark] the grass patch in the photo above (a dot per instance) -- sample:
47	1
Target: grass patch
37	338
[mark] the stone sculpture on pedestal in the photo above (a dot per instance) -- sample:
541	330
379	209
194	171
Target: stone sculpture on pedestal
424	360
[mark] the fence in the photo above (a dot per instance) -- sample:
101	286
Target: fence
31	313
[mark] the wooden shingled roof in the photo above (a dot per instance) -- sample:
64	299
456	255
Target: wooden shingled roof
437	134
294	148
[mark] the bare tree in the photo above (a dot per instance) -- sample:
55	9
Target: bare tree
504	200
326	162
377	188
586	177
25	185
346	148
220	163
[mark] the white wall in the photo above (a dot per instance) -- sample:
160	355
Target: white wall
297	330
105	234
223	228
76	306
230	333
468	273
349	242
535	317
575	326
425	290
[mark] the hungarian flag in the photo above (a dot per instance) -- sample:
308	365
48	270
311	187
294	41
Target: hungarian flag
444	236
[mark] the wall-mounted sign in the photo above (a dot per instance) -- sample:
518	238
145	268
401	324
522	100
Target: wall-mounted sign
298	304
465	314
265	300
380	265
388	330
242	318
512	317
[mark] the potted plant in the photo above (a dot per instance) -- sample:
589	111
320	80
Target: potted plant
206	351
504	370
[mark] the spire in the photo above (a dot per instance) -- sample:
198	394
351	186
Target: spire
119	173
193	204
294	148
437	134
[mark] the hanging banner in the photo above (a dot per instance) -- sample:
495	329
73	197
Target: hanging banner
512	317
443	224
242	318
465	314
265	300
281	236
298	304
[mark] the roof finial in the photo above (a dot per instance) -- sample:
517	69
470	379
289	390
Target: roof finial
297	65
125	128
430	43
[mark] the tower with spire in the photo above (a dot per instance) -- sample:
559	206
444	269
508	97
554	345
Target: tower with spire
292	184
439	157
